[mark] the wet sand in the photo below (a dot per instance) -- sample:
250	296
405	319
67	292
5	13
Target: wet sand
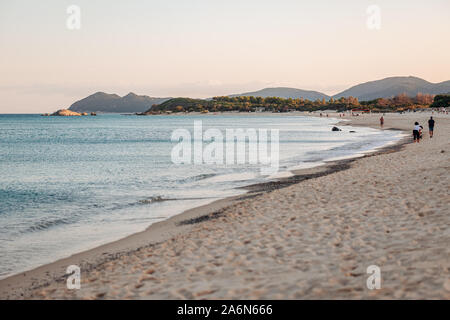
311	236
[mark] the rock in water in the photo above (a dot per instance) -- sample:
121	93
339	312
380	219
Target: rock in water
335	129
65	113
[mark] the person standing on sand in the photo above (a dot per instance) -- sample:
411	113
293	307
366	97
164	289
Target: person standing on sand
416	134
381	121
431	126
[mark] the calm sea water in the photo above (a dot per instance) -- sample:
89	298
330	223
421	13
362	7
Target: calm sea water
72	183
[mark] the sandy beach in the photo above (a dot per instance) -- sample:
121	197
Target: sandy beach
311	236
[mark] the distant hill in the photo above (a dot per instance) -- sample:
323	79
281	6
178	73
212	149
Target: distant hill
389	87
283	92
385	88
186	103
112	103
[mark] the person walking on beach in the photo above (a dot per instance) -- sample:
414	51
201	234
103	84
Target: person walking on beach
431	126
416	132
381	121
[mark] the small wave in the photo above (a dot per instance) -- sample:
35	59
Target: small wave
154	199
43	225
197	178
161	199
243	176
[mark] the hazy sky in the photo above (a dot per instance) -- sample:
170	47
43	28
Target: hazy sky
202	48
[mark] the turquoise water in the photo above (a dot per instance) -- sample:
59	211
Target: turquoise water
71	183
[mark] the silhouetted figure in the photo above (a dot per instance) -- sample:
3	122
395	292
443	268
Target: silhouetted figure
416	132
431	126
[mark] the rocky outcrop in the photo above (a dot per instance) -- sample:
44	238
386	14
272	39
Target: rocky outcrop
65	113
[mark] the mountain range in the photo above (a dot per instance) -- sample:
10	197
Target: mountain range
283	92
389	87
104	102
385	88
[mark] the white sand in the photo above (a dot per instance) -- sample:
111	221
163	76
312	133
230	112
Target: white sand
311	240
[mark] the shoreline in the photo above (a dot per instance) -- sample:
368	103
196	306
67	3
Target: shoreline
164	230
297	175
22	285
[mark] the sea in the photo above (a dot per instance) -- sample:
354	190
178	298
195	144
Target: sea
69	184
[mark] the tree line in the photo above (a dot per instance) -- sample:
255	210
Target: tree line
274	104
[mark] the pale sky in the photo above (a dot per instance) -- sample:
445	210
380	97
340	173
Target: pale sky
203	48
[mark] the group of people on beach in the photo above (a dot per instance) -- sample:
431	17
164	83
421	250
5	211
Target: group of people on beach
417	131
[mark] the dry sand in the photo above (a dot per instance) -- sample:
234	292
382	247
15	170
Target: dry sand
311	239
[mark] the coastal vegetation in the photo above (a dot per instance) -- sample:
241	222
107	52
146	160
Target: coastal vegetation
441	101
398	103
